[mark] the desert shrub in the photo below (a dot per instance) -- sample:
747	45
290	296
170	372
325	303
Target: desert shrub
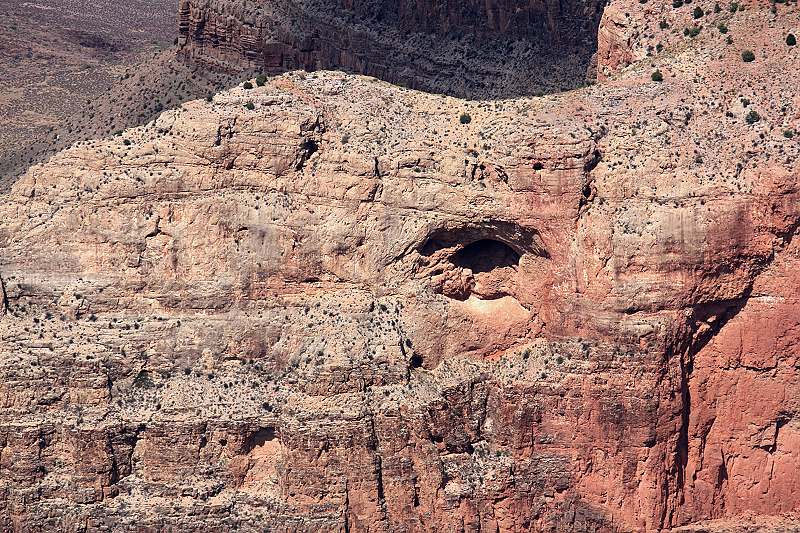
698	12
143	380
657	76
247	85
748	56
752	117
791	40
465	118
261	80
250	106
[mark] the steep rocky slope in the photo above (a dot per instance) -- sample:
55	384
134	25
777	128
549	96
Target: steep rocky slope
334	304
57	57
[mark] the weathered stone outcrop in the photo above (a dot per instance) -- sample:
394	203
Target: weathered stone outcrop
354	307
468	49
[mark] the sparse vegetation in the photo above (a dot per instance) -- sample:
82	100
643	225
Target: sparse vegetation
657	76
692	32
465	118
250	106
247	85
791	40
752	117
748	56
143	380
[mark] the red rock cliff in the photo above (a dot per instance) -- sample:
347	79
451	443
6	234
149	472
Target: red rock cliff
354	307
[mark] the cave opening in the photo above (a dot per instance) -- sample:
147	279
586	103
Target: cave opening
259	438
486	255
488	261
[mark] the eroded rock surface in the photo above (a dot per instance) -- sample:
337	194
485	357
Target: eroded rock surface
357	307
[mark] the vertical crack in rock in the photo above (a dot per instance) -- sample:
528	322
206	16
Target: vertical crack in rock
346	508
594	157
308	148
708	321
588	191
122	448
4	307
378	463
312	132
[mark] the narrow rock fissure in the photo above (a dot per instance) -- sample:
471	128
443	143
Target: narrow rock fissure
4	306
308	148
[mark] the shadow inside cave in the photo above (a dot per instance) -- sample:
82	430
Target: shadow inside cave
486	255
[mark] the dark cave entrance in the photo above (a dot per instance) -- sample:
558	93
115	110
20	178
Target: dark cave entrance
484	262
259	438
486	255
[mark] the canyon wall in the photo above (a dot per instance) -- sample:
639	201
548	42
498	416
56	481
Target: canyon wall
472	49
548	20
334	304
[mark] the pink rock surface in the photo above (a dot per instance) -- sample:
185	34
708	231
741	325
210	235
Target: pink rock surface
347	310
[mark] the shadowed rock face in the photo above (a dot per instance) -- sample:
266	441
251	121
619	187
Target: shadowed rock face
467	49
538	20
344	309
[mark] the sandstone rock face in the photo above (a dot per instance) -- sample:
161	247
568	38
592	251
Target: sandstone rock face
470	49
357	307
743	438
